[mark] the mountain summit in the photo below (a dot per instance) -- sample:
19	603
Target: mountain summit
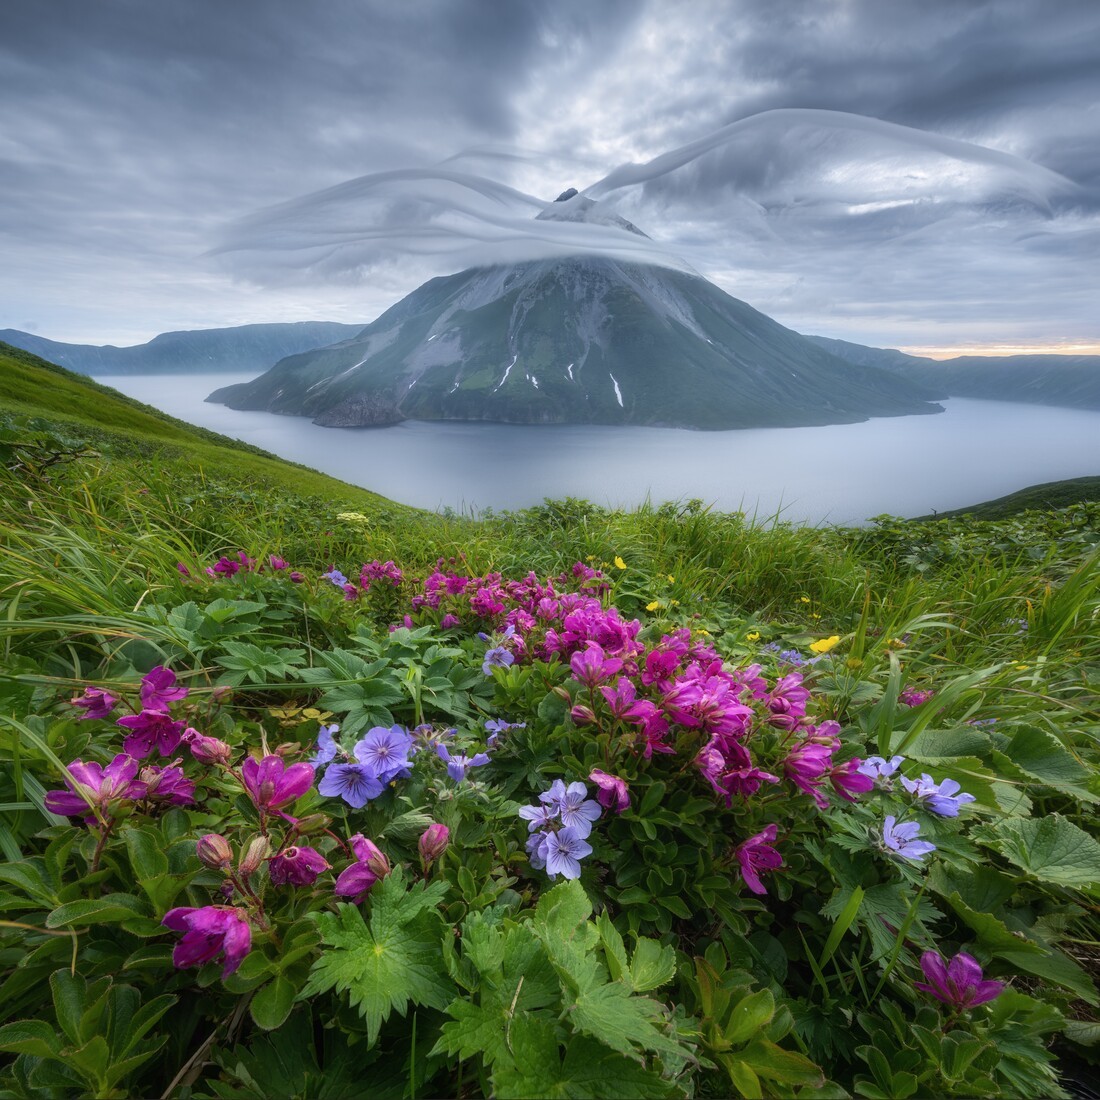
583	339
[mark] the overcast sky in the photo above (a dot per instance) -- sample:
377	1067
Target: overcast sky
914	173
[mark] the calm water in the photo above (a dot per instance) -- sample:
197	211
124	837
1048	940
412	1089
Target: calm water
907	466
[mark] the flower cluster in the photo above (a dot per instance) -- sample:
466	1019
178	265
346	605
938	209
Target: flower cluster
559	826
378	758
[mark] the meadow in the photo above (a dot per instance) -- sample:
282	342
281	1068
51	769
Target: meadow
305	793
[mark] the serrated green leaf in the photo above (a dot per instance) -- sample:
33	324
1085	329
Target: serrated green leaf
626	1023
1040	755
652	965
1050	848
614	949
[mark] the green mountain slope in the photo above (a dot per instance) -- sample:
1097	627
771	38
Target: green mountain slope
579	340
32	387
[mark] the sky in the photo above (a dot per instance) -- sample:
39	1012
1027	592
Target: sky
922	174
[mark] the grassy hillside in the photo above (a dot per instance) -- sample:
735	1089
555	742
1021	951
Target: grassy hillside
1035	498
30	386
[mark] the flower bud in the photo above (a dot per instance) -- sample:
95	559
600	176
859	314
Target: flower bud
433	842
562	693
220	694
313	823
207	750
582	715
213	851
367	852
257	851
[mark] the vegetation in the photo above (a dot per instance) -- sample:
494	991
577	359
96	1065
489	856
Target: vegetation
836	834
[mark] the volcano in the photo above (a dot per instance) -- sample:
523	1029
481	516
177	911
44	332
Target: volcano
586	339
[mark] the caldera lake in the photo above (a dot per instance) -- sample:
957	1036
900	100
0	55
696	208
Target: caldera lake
841	474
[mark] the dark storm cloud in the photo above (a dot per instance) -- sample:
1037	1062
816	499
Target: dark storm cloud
133	134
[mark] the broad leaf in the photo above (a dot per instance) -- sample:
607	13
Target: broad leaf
1050	848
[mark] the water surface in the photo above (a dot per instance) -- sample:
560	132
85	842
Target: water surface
846	473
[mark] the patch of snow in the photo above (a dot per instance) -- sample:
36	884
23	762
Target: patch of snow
533	380
618	392
431	338
569	371
507	372
454	387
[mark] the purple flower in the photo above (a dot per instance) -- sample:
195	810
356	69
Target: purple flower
207	933
958	983
901	839
356	784
148	730
539	817
276	562
536	849
296	866
911	697
103	786
497	657
807	764
327	748
226	566
355	882
941	798
848	779
167	785
385	752
592	667
206	750
182	569
366	851
613	792
433	842
497	726
95	703
881	770
158	691
755	855
457	764
271	784
336	577
563	852
575	812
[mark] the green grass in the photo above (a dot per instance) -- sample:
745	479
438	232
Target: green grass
1045	497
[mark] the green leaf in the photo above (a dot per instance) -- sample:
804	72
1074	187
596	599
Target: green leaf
394	960
1040	755
1056	968
776	1064
748	1017
1051	848
614	949
68	1003
147	857
651	965
623	1022
33	1037
271	1006
110	907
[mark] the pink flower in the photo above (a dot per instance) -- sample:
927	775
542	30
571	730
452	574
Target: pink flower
756	854
208	932
298	866
95	703
613	792
433	842
356	881
848	780
158	689
104	786
206	750
271	784
957	983
148	730
806	766
167	785
591	666
366	851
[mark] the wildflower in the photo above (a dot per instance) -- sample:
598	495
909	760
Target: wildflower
433	843
536	849
296	577
823	645
619	564
806	766
327	748
277	563
227	567
271	784
356	784
449	622
296	866
582	715
158	691
148	730
95	703
653	605
356	881
911	697
167	785
881	770
755	855
497	657
792	657
206	750
848	779
941	798
613	792
576	810
93	784
564	850
544	816
208	932
958	983
368	853
255	852
214	852
336	577
385	752
901	839
497	726
591	666
457	764
182	569
752	636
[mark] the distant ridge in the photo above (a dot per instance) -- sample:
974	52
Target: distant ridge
224	350
1047	497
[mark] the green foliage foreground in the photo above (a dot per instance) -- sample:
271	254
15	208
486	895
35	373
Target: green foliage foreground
408	962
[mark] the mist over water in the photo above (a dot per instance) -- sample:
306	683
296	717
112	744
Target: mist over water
905	466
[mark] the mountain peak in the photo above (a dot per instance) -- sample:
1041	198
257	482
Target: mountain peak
568	193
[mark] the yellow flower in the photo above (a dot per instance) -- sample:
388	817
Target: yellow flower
752	636
814	615
671	579
619	563
702	630
803	599
673	603
1023	668
823	645
655	605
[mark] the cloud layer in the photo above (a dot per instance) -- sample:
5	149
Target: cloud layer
901	174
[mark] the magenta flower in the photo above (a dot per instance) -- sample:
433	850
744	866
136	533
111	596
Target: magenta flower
182	569
613	792
208	932
848	779
296	866
271	784
755	855
356	881
148	730
592	667
95	703
158	690
104	786
167	786
276	562
806	766
433	842
225	566
206	750
959	983
911	697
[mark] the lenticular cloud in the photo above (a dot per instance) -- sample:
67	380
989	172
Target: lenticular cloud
771	176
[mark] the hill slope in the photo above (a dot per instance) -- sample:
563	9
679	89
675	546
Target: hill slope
579	340
243	348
